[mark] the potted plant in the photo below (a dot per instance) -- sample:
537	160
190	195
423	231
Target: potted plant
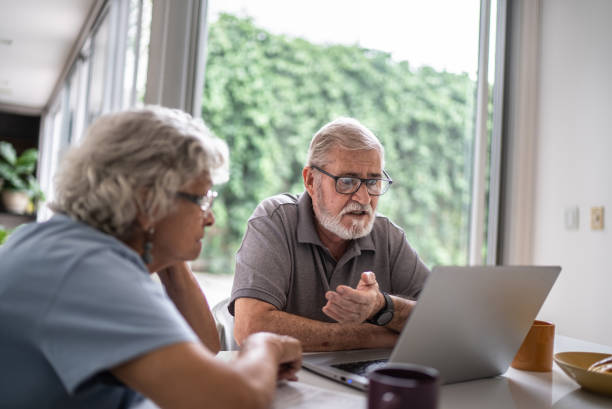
20	189
4	233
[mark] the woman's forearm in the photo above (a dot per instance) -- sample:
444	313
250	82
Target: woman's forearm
183	289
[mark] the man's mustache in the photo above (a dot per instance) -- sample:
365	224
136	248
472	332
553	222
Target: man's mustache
356	207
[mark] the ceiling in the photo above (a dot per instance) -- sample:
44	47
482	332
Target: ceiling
36	38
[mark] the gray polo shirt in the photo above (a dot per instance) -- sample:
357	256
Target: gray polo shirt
283	262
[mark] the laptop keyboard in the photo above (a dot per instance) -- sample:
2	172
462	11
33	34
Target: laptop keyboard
361	367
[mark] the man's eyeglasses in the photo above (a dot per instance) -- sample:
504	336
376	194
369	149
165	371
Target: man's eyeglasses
348	185
205	202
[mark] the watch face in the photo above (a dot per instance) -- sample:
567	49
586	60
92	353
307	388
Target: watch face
385	318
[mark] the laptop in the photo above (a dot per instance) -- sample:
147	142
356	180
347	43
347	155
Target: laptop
468	323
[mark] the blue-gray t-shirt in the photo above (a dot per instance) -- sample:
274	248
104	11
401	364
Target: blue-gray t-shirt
75	302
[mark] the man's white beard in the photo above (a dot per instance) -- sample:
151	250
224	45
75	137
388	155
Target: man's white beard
359	228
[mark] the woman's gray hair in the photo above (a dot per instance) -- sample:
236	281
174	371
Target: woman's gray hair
135	162
346	133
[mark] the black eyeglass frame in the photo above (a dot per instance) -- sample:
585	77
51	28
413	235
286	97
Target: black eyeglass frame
361	181
205	202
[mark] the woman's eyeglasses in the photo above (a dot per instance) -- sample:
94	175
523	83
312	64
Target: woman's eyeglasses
205	202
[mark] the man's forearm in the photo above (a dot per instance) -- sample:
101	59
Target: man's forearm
320	336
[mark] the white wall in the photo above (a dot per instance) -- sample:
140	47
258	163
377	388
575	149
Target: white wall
573	164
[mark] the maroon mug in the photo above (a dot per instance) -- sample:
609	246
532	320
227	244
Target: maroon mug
396	386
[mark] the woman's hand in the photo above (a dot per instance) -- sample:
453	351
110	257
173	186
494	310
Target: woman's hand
170	273
287	351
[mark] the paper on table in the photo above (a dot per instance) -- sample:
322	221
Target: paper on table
298	395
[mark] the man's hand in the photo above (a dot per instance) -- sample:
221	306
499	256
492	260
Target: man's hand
353	306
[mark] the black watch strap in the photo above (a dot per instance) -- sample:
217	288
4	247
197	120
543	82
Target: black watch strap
385	315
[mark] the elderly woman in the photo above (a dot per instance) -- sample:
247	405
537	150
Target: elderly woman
82	323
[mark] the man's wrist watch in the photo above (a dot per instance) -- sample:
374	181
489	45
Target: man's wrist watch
385	315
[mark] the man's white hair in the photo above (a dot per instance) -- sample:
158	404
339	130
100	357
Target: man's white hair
346	133
136	161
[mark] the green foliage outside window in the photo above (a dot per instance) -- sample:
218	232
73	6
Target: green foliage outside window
267	94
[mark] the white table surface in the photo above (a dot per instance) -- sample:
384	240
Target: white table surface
513	390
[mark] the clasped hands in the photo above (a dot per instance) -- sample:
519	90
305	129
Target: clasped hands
355	305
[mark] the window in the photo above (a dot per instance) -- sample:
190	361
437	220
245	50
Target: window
108	73
99	55
137	52
278	70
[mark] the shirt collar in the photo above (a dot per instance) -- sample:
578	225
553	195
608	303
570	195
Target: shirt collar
307	232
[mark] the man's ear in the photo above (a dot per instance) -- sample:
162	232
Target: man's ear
308	177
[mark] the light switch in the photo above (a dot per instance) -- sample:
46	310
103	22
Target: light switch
597	218
571	218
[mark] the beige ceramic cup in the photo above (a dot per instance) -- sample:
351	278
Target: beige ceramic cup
536	352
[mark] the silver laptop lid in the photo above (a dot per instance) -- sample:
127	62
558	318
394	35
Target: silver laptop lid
470	321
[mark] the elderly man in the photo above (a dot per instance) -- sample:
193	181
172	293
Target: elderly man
322	266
